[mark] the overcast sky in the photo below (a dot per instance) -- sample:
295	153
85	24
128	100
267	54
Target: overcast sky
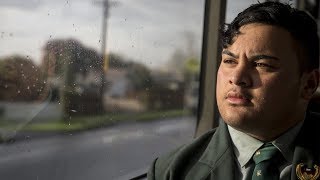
148	31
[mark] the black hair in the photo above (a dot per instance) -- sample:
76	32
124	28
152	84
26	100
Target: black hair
300	24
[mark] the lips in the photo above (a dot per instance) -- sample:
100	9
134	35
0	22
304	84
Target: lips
236	98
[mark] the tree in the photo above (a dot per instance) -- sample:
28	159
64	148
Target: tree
139	75
183	58
21	80
78	73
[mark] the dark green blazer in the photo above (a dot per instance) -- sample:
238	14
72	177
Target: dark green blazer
211	156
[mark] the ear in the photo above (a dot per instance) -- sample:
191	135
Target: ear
310	83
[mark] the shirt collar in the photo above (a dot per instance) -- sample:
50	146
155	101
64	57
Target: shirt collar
285	142
245	146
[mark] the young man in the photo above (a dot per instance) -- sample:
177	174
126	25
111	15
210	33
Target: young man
267	76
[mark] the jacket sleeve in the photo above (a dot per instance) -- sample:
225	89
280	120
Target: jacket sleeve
178	162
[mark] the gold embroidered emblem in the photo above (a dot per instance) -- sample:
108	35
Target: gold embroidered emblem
304	173
259	173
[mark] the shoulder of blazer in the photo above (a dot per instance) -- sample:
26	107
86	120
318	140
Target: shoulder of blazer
309	133
307	144
181	159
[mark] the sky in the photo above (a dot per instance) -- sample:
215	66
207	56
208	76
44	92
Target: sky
149	31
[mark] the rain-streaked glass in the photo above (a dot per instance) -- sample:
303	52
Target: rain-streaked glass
96	89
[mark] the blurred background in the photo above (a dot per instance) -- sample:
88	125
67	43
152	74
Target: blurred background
96	89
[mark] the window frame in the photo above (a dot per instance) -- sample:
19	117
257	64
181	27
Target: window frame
214	18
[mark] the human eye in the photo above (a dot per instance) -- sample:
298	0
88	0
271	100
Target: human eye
229	61
264	65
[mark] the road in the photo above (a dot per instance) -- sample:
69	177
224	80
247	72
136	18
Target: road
111	153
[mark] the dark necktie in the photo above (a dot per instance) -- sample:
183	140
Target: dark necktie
265	166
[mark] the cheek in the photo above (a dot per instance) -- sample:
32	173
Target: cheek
275	88
221	81
222	77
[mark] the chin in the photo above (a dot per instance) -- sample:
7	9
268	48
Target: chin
238	120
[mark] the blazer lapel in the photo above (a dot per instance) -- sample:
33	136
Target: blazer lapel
218	161
307	148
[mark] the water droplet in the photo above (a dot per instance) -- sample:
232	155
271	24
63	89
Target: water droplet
28	87
72	110
21	64
18	91
59	102
6	86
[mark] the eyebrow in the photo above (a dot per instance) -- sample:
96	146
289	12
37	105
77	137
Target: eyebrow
227	52
257	57
254	58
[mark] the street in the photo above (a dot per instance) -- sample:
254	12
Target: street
115	152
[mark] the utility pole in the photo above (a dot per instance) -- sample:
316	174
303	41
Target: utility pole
106	4
105	8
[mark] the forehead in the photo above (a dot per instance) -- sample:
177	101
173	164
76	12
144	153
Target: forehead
258	37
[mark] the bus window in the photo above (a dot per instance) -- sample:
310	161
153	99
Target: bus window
96	89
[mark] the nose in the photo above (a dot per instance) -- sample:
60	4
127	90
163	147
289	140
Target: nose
241	76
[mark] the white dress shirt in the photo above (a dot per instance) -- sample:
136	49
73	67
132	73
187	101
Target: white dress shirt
245	146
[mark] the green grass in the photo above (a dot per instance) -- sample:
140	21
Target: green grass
90	122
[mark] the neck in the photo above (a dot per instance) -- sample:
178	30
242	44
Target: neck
273	133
